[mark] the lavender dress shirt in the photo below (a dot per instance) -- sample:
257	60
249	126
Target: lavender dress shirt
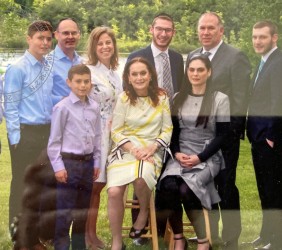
75	128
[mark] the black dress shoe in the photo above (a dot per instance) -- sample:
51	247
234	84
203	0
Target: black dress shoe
265	247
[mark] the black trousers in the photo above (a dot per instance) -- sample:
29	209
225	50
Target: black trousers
174	193
33	140
229	194
267	165
38	213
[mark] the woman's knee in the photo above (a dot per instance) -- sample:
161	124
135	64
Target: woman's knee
115	192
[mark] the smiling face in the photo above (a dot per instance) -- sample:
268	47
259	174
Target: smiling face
162	32
105	49
139	77
80	85
210	31
39	43
263	41
67	35
198	73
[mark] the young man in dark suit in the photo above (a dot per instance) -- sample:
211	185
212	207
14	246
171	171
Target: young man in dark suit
162	31
230	75
264	130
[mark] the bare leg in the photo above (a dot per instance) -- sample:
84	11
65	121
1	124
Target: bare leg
143	194
92	239
180	242
203	244
116	213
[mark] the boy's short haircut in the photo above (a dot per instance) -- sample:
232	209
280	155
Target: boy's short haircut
39	26
79	69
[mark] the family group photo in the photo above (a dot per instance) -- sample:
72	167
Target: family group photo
140	125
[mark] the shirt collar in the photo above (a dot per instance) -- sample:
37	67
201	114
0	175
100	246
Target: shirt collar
213	50
75	99
60	54
266	56
31	58
102	66
156	51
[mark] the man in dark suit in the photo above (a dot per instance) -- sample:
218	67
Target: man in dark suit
162	31
230	75
264	131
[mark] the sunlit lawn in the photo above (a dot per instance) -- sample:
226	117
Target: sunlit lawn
251	214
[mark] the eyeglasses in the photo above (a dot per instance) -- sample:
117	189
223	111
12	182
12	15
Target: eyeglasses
166	30
68	33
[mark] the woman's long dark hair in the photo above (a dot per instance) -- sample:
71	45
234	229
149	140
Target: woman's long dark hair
186	89
153	91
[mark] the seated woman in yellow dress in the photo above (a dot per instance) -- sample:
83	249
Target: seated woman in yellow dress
141	130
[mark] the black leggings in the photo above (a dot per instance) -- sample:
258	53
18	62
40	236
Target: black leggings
175	193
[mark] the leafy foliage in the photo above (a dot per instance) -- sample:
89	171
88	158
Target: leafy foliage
131	19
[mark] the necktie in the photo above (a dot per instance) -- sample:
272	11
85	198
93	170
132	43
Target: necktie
167	81
259	70
207	53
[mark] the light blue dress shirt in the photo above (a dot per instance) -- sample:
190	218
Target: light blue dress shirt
61	66
27	94
75	128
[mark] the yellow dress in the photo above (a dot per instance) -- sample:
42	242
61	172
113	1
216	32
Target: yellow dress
141	124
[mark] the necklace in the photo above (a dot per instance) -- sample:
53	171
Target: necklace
142	104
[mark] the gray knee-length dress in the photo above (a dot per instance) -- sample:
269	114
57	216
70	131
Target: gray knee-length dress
193	140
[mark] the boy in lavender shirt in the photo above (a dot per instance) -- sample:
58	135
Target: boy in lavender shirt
74	152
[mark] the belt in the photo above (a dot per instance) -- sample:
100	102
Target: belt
76	157
38	126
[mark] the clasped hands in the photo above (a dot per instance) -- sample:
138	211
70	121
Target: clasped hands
144	153
187	161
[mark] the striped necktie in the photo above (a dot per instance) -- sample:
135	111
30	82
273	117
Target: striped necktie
167	81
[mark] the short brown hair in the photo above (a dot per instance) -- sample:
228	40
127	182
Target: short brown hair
92	45
266	23
79	69
163	16
39	26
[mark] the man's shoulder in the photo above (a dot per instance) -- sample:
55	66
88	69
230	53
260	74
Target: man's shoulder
140	52
174	53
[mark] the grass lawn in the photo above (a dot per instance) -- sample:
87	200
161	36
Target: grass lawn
250	206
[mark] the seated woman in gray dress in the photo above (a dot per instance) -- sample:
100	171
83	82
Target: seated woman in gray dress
201	120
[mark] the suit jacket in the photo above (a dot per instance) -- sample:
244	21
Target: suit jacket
176	64
265	103
231	75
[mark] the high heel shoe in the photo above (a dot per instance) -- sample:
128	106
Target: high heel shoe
135	233
185	244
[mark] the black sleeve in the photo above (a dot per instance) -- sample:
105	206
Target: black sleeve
222	134
174	145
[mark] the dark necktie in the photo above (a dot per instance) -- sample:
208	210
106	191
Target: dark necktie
207	53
